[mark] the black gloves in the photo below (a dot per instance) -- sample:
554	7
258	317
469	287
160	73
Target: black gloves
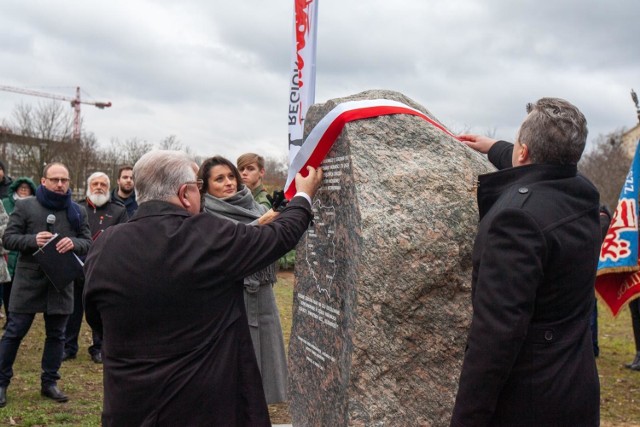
278	202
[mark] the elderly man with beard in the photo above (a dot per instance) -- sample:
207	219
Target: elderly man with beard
102	213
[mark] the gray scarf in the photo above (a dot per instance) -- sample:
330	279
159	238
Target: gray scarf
241	207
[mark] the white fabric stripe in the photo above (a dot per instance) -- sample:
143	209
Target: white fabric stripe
318	131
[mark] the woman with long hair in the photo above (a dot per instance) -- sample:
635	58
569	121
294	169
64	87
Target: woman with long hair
225	196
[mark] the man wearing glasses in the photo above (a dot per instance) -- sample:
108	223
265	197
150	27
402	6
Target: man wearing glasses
33	222
177	347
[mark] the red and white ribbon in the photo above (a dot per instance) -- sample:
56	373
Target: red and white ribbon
324	134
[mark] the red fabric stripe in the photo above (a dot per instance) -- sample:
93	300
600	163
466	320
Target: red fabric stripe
335	128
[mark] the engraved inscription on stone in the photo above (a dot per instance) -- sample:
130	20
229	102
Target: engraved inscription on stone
381	302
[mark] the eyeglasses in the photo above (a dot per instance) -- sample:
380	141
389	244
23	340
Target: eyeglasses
59	180
199	183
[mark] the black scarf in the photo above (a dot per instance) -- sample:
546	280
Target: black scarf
57	202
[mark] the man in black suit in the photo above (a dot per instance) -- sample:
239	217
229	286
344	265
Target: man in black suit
30	227
177	346
529	358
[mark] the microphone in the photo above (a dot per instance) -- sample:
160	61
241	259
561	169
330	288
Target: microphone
51	219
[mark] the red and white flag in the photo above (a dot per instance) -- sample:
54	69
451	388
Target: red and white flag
324	134
302	86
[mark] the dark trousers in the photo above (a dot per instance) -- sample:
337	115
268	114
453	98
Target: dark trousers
75	322
634	306
6	294
594	329
19	324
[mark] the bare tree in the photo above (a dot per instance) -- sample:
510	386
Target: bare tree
47	121
275	172
45	135
607	165
170	143
82	159
123	153
134	148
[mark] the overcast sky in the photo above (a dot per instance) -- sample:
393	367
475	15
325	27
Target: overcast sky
215	73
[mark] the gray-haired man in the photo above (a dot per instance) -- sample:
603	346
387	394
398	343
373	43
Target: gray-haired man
177	344
529	358
102	213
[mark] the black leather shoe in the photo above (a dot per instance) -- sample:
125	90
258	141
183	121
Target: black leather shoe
3	397
96	357
67	356
635	365
53	392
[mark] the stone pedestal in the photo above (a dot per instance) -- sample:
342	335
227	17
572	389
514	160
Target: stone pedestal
382	294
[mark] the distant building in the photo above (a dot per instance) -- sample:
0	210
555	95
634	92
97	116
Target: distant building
630	139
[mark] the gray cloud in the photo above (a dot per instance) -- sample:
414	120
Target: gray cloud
215	73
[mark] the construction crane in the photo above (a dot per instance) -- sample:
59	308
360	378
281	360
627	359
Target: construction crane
75	104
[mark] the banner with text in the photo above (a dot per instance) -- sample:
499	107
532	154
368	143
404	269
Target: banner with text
618	277
302	85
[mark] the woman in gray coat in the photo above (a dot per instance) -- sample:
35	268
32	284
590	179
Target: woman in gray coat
225	196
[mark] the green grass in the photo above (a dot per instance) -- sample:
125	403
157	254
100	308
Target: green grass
619	386
82	379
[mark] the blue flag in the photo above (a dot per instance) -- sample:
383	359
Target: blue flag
618	278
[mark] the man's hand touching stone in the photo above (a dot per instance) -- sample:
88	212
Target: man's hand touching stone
479	143
310	183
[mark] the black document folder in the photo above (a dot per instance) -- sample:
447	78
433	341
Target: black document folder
61	269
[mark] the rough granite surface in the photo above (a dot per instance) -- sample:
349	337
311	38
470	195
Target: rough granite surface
382	299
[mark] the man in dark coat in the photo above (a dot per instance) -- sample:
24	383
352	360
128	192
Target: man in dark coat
102	213
124	192
28	230
177	348
529	358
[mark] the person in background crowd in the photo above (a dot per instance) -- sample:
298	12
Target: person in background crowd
634	308
124	193
5	181
177	348
102	213
226	197
5	277
32	291
21	188
529	358
251	168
